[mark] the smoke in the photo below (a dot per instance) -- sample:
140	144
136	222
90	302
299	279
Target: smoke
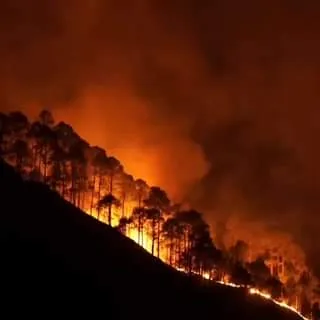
216	101
99	65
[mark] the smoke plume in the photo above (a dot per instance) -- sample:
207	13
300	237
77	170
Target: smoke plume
216	101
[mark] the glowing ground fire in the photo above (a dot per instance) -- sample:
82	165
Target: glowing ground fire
145	242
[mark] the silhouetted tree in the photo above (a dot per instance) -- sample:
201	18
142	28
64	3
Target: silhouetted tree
139	216
46	118
239	252
315	311
123	223
4	132
20	153
205	254
173	231
138	213
240	275
142	191
127	189
158	202
107	202
153	215
44	139
259	271
291	290
274	286
17	125
99	165
59	172
78	163
195	236
113	170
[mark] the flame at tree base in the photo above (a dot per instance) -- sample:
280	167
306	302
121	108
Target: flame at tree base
144	240
264	295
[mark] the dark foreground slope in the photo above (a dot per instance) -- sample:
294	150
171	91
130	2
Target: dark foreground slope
58	262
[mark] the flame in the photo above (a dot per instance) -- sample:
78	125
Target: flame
265	295
145	241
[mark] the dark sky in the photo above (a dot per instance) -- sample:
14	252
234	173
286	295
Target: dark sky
217	101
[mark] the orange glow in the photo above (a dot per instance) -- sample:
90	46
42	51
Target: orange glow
146	241
255	291
146	244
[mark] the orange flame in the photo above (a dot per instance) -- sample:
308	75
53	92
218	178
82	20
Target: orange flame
145	241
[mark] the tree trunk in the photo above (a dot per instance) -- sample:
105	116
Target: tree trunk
189	257
139	229
99	187
179	253
142	231
63	187
109	214
79	184
45	164
19	164
158	239
92	193
153	235
111	184
83	200
73	186
34	156
170	252
123	206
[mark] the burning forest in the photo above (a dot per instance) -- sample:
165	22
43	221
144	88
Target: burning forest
96	182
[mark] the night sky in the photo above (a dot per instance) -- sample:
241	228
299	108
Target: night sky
216	101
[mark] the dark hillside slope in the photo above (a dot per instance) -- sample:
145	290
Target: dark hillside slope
57	261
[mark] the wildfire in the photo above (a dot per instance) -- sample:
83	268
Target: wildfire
99	185
264	295
144	241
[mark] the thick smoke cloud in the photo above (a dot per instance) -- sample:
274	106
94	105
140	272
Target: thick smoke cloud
214	100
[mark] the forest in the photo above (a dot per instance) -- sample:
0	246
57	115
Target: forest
96	182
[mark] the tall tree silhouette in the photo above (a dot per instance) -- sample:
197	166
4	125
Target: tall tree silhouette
113	170
59	172
127	189
15	127
196	234
159	202
138	213
107	202
259	271
99	163
46	118
78	171
239	252
173	231
123	224
20	152
139	216
142	191
44	139
18	125
4	132
153	215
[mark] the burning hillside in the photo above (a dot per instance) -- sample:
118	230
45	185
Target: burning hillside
60	260
98	184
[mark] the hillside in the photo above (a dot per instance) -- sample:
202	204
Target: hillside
56	260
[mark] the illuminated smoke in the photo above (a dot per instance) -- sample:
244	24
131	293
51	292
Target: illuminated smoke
178	90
